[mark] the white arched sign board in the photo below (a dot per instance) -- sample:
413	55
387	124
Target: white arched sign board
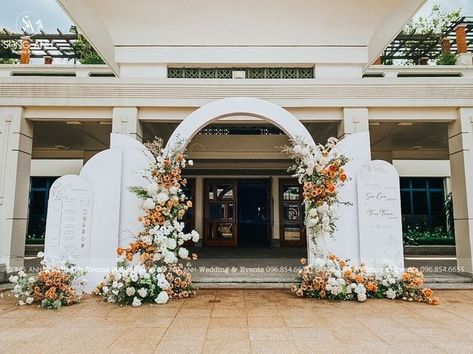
346	241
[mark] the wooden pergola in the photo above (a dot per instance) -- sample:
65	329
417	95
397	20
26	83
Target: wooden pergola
415	46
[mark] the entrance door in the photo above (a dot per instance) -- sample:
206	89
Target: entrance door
253	213
220	213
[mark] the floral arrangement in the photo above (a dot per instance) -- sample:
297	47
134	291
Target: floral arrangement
148	268
164	205
55	285
134	285
334	278
320	169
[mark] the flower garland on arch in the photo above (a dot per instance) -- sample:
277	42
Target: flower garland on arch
158	276
320	169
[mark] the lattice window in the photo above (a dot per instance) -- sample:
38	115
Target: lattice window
251	73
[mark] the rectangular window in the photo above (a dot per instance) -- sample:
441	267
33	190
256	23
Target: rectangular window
38	208
422	202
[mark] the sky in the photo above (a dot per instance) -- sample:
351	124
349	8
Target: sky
46	14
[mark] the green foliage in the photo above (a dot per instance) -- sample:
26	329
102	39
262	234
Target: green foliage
8	52
417	236
139	191
447	59
433	26
84	51
436	22
448	209
34	239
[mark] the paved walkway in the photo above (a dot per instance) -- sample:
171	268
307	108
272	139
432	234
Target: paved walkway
243	321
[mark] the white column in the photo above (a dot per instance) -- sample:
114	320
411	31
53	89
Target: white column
125	121
275	210
355	120
16	137
460	144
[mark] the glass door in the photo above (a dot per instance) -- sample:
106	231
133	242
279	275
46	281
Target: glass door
220	213
291	216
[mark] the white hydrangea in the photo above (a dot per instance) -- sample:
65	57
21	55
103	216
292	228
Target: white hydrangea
143	292
390	293
162	298
162	198
136	302
183	253
149	204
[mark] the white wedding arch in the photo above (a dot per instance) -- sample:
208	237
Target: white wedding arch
227	107
115	210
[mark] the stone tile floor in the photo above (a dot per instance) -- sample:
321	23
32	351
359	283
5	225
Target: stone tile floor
243	321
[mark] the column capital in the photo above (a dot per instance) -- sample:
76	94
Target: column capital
354	120
125	121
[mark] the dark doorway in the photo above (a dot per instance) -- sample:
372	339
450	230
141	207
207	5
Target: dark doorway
253	213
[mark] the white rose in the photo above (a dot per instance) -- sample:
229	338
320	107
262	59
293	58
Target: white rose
183	253
313	212
152	189
143	292
134	277
390	294
40	255
190	163
29	300
162	198
130	291
149	204
312	222
170	257
173	190
195	236
361	297
171	243
136	302
162	298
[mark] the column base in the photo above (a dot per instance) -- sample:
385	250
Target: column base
3	274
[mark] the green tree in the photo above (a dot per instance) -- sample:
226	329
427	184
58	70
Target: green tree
84	51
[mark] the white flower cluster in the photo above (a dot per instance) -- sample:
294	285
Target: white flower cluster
169	236
313	158
24	283
23	289
336	283
135	284
320	219
389	278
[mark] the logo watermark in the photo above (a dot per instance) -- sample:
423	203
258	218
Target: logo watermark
29	22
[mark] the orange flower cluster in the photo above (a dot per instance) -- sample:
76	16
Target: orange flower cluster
413	281
313	283
325	189
146	252
413	278
181	282
319	282
55	285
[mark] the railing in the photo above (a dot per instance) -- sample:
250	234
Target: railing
375	71
61	70
392	71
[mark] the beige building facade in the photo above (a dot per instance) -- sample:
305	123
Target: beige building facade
167	59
